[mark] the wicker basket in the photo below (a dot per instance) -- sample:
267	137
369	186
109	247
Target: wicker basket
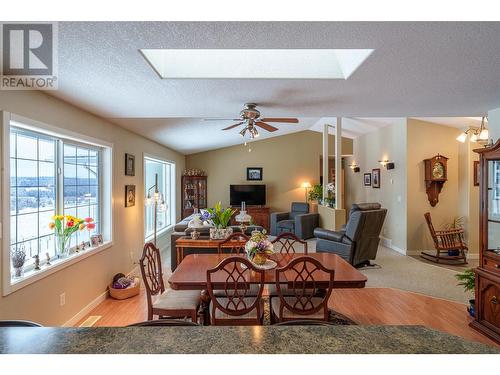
125	293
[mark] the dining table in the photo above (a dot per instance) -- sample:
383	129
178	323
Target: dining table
191	274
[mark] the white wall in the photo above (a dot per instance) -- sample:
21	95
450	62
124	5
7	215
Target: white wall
88	278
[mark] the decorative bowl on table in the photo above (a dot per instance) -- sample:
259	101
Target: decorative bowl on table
259	248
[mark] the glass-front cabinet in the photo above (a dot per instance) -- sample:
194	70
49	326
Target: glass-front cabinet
493	167
194	194
487	283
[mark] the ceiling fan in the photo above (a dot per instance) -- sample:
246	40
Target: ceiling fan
250	117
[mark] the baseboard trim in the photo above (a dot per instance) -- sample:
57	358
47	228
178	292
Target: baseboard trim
387	242
92	305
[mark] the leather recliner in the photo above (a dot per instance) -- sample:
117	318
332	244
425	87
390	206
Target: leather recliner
298	221
357	242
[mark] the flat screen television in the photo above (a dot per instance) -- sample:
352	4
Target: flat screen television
252	195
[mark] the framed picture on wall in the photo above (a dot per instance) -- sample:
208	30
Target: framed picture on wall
254	174
477	173
367	179
129	195
129	165
376	178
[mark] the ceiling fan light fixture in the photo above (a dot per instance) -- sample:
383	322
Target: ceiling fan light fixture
243	131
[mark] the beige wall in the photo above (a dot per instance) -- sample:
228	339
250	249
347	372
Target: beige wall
402	190
87	279
425	140
386	143
287	161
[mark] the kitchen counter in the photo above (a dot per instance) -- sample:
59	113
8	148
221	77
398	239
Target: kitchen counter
255	340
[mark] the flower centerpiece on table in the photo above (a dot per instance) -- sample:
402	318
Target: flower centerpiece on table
64	226
220	219
259	248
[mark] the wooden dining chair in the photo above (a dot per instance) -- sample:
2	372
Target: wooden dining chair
170	303
304	298
234	244
286	243
237	305
445	241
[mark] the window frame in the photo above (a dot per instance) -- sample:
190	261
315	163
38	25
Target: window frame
171	200
8	120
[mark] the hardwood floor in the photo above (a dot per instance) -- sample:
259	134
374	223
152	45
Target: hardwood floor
369	306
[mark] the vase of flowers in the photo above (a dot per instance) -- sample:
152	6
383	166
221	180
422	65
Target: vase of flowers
64	227
258	248
18	257
220	219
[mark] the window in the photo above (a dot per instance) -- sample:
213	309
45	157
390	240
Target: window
32	193
52	174
81	185
166	177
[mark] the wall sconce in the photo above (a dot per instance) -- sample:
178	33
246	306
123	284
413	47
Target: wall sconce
387	164
354	166
480	135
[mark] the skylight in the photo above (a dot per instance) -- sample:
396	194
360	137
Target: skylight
256	63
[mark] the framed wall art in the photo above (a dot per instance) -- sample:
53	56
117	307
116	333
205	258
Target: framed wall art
376	178
367	179
129	165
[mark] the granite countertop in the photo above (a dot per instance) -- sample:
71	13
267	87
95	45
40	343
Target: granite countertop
254	340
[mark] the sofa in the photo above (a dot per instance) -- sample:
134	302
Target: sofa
298	221
181	229
357	242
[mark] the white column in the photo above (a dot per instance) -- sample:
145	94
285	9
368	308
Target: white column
338	163
494	124
325	160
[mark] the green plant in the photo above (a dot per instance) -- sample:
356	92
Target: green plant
458	223
316	193
220	217
467	279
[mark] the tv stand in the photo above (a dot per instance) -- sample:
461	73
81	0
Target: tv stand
259	214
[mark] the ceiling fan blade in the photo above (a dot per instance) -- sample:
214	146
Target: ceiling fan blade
233	126
221	119
281	119
265	126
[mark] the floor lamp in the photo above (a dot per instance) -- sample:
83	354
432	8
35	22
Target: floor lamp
305	186
158	201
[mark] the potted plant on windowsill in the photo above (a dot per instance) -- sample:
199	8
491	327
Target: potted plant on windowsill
467	280
220	219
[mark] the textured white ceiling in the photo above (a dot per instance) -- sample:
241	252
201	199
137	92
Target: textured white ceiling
417	69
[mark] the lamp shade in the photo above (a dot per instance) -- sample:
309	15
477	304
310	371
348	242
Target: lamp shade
462	137
306	185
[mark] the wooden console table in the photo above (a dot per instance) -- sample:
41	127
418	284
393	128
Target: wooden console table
201	243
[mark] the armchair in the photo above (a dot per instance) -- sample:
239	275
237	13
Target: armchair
298	221
358	241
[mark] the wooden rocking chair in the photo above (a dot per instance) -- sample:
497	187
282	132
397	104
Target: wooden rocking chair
445	241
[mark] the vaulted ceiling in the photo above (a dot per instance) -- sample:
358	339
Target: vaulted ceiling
416	69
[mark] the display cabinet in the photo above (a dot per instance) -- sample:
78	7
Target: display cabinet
487	319
194	194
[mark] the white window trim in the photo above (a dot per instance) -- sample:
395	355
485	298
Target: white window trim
173	192
6	119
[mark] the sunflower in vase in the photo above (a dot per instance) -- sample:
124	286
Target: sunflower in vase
259	248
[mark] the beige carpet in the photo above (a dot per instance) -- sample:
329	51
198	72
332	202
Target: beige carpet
404	272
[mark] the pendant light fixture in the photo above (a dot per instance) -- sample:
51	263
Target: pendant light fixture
480	135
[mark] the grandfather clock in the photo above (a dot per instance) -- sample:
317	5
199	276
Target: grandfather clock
436	174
